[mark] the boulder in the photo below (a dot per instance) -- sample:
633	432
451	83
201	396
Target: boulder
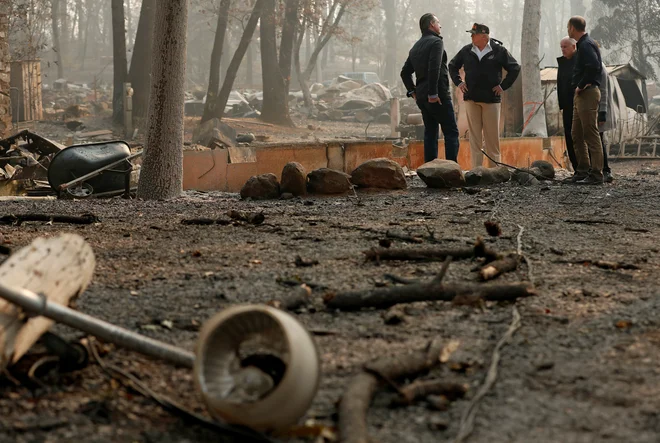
328	181
487	176
261	187
293	179
526	177
441	174
380	173
546	168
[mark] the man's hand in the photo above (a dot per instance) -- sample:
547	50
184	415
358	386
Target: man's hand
578	90
435	100
414	96
463	88
498	90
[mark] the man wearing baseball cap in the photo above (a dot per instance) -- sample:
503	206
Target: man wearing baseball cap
482	62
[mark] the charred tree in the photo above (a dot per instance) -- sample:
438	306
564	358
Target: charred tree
236	60
216	56
120	62
533	106
275	105
389	6
55	18
161	176
140	71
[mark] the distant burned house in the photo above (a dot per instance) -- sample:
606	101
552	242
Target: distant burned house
627	87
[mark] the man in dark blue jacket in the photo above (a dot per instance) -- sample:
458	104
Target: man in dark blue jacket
586	79
428	61
483	61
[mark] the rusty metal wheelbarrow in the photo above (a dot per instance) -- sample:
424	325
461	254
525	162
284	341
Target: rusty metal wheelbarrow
96	168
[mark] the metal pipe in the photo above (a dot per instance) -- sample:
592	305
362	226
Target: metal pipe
38	305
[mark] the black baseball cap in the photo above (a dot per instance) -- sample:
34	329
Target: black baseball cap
478	28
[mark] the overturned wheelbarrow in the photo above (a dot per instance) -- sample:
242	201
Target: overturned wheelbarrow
99	169
254	365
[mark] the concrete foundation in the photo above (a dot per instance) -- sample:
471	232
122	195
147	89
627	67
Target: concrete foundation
212	171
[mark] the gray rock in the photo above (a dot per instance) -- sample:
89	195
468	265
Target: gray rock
328	181
379	173
441	174
487	176
546	168
293	179
526	177
261	187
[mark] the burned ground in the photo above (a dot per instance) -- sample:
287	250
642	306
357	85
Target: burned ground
583	367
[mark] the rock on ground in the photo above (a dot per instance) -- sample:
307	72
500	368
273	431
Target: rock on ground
294	180
546	168
379	173
487	176
527	177
261	187
441	173
328	181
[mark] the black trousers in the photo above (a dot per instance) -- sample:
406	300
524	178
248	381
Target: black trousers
567	115
435	114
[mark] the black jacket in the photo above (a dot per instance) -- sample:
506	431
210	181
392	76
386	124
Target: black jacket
565	88
588	63
482	76
428	61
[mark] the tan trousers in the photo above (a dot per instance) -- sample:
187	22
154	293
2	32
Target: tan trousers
586	138
484	124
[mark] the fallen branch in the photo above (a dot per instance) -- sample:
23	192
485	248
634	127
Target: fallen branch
432	254
132	382
590	222
422	389
613	266
498	267
355	402
383	298
85	219
300	297
538	176
467	420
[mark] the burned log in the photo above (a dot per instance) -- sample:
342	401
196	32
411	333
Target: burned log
421	389
498	267
383	298
432	254
85	219
355	402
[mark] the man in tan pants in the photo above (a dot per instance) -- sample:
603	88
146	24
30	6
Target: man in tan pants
483	61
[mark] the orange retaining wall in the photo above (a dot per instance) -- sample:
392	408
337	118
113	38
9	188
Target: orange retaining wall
212	171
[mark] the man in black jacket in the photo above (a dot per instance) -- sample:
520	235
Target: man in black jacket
586	79
566	92
428	61
483	61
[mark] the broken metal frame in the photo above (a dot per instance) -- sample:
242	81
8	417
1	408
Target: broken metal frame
38	305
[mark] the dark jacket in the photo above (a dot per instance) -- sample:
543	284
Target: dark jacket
588	63
482	76
428	61
565	88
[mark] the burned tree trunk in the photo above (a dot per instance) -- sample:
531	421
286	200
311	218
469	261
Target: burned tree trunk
5	103
119	60
140	71
390	38
54	12
161	176
235	64
304	86
216	56
533	107
275	107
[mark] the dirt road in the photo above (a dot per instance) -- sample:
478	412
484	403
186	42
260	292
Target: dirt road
584	366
